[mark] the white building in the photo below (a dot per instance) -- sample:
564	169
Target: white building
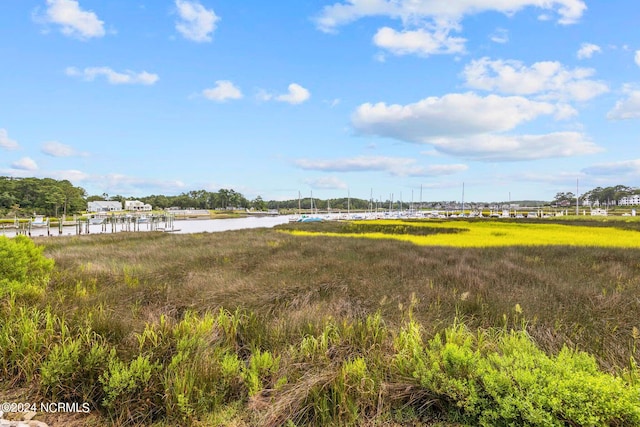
104	206
633	200
136	205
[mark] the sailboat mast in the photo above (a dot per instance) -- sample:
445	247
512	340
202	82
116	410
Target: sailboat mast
371	201
577	198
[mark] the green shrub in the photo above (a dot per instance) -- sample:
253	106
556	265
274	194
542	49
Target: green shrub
511	382
25	336
356	391
260	371
24	271
203	373
132	392
72	369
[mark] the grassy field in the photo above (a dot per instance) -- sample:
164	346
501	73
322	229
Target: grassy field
275	327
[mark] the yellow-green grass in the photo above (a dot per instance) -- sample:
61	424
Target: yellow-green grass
498	233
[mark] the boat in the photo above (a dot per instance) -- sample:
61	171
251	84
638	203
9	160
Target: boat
39	221
305	218
96	220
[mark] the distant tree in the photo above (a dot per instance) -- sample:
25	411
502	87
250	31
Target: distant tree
562	199
610	195
259	204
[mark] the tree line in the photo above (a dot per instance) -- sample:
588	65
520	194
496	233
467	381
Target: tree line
601	195
197	199
24	197
609	195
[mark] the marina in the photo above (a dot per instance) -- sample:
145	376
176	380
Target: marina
170	223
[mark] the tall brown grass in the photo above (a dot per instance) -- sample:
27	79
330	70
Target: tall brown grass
584	297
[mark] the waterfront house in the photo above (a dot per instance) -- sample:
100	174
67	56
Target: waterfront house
104	206
137	206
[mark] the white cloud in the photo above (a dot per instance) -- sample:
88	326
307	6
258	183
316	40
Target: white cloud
426	24
628	108
327	183
126	184
587	50
474	127
637	58
547	79
564	112
456	114
72	175
57	149
6	142
75	22
223	90
397	166
114	77
115	183
296	95
420	42
264	96
26	164
342	13
492	147
624	167
500	35
437	170
196	22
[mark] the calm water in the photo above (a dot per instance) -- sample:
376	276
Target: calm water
179	226
213	225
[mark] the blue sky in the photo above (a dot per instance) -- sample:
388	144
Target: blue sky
518	98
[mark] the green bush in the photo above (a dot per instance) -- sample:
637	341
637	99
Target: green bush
509	381
72	369
24	271
261	371
25	336
132	391
204	372
528	385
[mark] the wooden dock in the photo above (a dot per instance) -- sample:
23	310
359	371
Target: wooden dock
82	225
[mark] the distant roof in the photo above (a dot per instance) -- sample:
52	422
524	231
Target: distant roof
107	202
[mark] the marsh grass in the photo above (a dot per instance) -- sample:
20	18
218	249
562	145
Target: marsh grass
583	296
486	233
262	327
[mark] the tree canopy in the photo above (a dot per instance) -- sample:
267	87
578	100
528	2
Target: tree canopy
609	195
44	196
